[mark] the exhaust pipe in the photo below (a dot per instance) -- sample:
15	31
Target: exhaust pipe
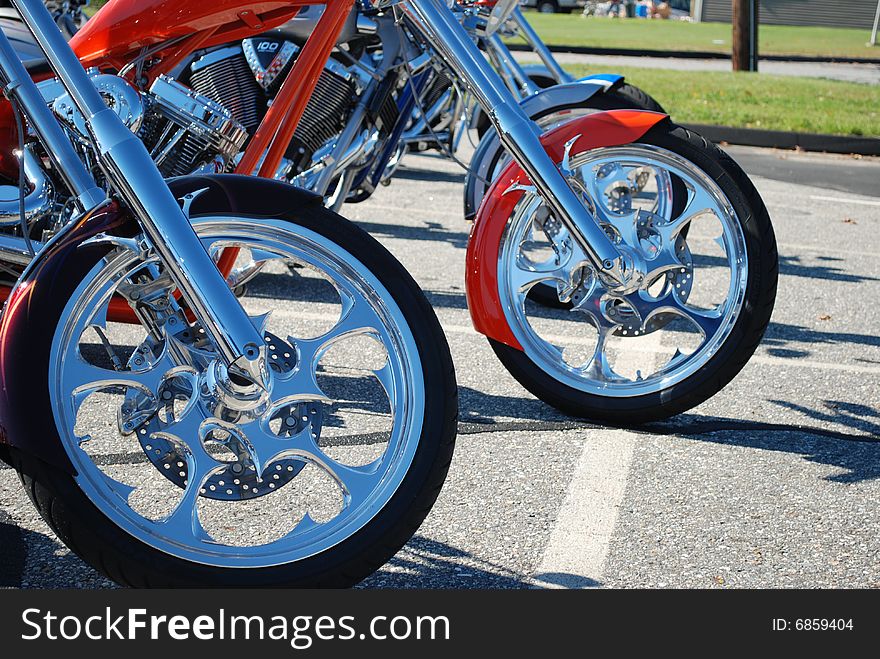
13	250
38	203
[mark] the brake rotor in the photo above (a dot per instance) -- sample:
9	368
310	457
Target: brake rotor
238	481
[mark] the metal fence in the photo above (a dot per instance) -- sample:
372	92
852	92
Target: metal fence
827	13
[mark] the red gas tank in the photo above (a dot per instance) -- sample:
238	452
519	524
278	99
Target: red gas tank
122	27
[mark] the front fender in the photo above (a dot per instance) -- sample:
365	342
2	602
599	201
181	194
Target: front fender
602	129
29	318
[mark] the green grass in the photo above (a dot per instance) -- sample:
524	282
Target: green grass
758	100
573	30
93	7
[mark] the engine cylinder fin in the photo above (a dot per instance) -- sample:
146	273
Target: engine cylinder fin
231	82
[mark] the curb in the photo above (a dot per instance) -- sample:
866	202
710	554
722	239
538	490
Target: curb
694	54
777	139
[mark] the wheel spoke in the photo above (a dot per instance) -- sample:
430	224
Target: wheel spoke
183	523
386	377
82	378
265	449
523	278
122	490
187	433
699	202
598	367
665	261
302	384
706	321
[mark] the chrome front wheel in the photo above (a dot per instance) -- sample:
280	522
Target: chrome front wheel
220	482
685	216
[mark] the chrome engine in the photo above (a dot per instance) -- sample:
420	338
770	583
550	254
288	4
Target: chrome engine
197	127
184	131
187	132
246	77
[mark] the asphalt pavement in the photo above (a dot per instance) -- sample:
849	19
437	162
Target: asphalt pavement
772	482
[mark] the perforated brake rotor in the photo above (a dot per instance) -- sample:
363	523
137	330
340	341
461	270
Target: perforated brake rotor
629	322
680	279
238	481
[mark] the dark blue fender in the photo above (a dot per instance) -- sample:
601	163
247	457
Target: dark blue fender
582	89
544	78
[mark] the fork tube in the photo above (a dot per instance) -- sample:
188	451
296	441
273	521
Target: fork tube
519	134
59	149
523	85
562	76
128	166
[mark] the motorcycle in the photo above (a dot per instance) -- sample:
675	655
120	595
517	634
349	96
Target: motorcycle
170	433
436	116
655	245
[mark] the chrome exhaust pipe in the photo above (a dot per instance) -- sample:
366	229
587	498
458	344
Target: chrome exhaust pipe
362	145
14	250
38	203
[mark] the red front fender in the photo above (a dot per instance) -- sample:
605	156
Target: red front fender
612	128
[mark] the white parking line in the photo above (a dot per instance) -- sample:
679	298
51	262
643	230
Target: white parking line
578	546
845	200
575	554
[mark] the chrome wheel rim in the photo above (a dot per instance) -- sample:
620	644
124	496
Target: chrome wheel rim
692	257
222	481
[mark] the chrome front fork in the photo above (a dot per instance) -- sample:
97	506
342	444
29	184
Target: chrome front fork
561	75
518	133
129	168
518	79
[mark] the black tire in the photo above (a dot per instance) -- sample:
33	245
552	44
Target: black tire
744	337
639	97
547	7
93	537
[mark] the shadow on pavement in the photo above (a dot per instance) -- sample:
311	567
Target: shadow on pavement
424	561
49	559
428	231
414	174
